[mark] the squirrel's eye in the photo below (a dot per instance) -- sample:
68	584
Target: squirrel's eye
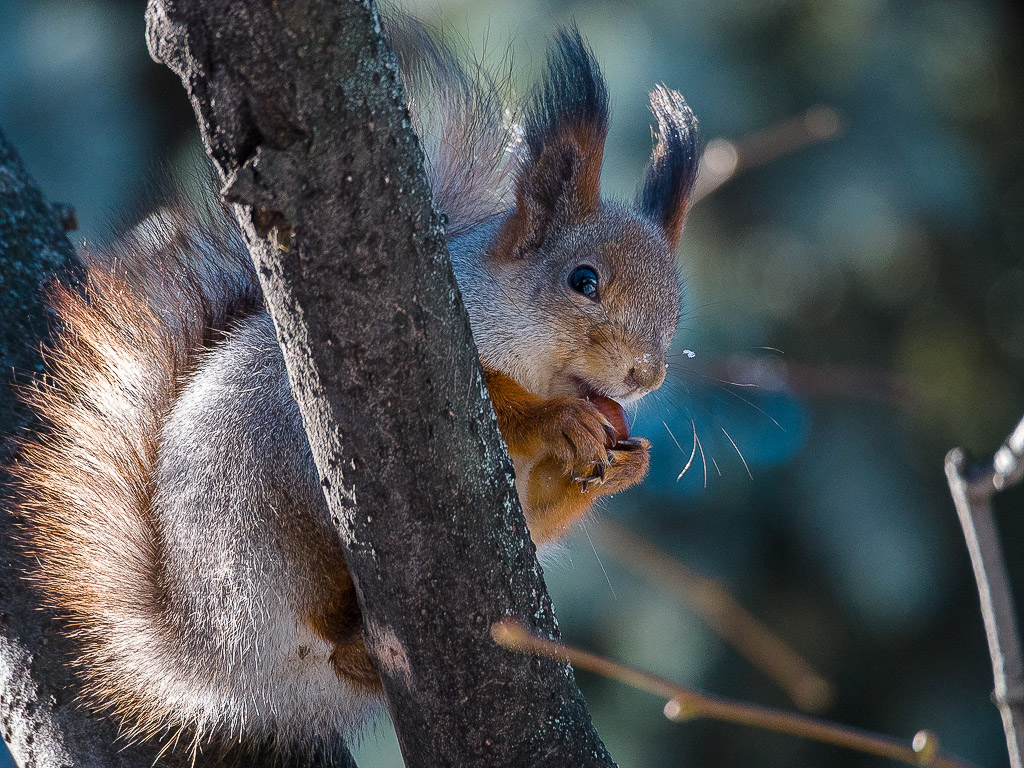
584	280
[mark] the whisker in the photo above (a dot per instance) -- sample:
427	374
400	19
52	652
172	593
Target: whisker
693	451
611	589
675	386
725	389
730	382
665	425
743	384
715	464
757	408
699	447
738	453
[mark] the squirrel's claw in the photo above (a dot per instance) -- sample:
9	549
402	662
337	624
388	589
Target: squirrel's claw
597	477
611	436
631	444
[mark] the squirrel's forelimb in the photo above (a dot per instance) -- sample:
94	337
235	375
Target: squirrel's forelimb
567	455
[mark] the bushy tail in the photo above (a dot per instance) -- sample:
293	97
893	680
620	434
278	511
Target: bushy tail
466	129
122	349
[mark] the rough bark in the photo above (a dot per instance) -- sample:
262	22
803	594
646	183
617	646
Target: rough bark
301	112
33	248
39	717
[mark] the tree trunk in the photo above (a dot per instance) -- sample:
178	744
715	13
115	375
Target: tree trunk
301	112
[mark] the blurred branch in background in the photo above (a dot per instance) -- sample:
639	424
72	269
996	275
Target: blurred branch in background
686	704
724	159
973	485
722	612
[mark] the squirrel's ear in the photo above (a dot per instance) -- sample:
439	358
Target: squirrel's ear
672	171
563	135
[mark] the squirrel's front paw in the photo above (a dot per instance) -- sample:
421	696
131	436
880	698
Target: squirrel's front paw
629	462
581	437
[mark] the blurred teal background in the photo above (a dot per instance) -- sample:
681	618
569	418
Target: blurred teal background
871	286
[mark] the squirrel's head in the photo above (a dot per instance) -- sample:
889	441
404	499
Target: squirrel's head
594	283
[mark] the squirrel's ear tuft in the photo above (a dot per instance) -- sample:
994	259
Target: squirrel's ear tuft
563	133
571	101
672	171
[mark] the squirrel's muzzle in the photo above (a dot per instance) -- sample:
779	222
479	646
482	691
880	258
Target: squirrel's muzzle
647	375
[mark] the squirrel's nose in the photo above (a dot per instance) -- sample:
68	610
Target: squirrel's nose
645	376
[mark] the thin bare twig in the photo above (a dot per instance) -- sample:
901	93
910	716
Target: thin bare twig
686	704
722	612
972	487
723	159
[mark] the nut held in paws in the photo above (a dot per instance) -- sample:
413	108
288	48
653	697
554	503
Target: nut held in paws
612	411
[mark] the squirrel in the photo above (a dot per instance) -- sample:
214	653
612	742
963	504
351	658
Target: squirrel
170	499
